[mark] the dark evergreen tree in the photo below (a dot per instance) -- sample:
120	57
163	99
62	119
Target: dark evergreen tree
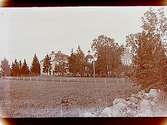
77	62
15	68
72	63
35	67
47	65
80	61
25	69
5	67
20	67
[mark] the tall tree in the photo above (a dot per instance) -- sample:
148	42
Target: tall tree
108	54
15	68
25	69
47	65
35	68
80	62
20	67
77	62
149	50
72	63
5	67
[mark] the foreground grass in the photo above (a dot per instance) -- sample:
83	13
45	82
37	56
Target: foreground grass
21	98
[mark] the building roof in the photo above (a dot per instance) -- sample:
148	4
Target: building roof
58	55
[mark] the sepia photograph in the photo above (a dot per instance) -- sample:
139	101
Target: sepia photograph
83	61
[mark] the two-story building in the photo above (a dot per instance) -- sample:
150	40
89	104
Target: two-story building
57	59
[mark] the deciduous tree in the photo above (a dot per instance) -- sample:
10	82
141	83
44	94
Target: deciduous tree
149	50
108	54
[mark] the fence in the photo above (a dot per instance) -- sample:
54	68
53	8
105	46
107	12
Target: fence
67	79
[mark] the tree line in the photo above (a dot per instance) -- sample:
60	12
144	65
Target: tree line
148	48
19	68
108	62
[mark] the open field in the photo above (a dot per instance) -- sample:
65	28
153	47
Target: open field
42	97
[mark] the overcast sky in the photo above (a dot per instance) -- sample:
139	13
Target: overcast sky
25	31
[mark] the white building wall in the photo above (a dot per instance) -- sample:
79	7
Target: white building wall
53	62
126	58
